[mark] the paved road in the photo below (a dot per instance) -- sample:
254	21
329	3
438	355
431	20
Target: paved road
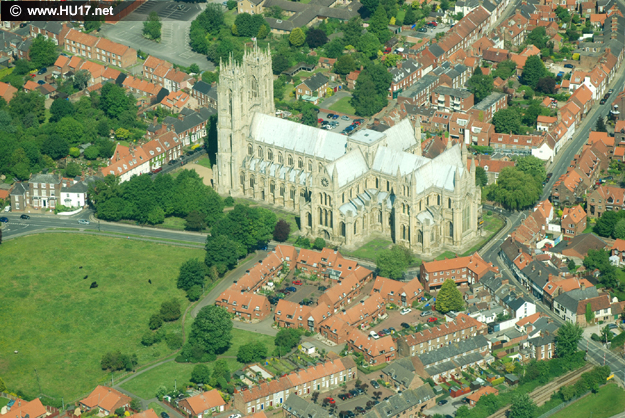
17	227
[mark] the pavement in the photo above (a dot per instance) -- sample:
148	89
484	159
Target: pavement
174	46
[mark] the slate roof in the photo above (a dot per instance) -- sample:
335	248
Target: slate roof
402	370
421	84
190	121
317	81
45	178
571	299
401	402
202	86
448	91
538	273
303	409
489	100
50	26
452	350
20	189
436	50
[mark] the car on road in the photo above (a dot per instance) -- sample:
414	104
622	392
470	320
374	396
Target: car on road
405	311
602	102
164	414
331	401
344	117
375	384
432	319
569	66
291	289
24	217
442	402
83	222
405	325
374	335
426	313
4	219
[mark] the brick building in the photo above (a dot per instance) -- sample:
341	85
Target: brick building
463	270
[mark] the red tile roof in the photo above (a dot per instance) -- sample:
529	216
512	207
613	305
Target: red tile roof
204	401
106	398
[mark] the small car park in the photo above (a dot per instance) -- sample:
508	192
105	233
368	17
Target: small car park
24	217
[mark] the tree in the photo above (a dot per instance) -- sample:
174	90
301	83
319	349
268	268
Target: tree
481	86
59	109
281	231
252	352
114	361
211	330
279	63
546	85
55	147
223	253
22	67
600	126
619	229
345	64
378	24
538	37
250	226
3	386
563	14
248	25
391	60
514	189
394	262
286	339
605	225
309	115
606	334
334	48
522	407
410	18
567	338
114	101
201	374
81	79
120	412
194	68
571	266
42	52
319	244
192	272
505	69
590	315
170	310
91	25
152	27
135	404
316	38
221	370
70	129
480	176
369	45
195	221
449	298
533	71
444	5
297	37
533	166
507	121
72	170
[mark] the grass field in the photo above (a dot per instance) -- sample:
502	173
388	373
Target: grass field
61	327
610	400
371	249
173	222
343	106
4	402
204	162
146	384
157	408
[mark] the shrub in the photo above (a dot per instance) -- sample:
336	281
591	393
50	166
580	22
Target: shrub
194	293
170	310
156	321
229	202
148	339
174	341
498	381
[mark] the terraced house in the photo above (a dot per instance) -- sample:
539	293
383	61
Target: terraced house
101	49
321	377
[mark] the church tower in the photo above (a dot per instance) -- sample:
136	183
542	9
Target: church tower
244	89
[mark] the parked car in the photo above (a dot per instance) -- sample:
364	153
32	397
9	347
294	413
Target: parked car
354	392
375	384
343	396
426	313
360	391
349	128
434	24
612	326
569	66
41	82
610	91
83	222
374	335
273	299
330	115
235	416
24	217
359	410
432	319
405	311
291	289
442	402
335	116
322	288
331	401
348	414
297	282
287	293
320	120
344	117
4	219
356	123
381	333
42	71
422	30
164	414
393	330
386	331
405	325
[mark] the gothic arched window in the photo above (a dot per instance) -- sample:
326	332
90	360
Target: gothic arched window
280	158
309	165
270	155
290	160
260	152
300	163
250	149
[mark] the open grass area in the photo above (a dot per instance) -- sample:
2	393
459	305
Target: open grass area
173	222
204	162
343	106
146	384
371	249
229	17
610	400
61	327
157	408
4	402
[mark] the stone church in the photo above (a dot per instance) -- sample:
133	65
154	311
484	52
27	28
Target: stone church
345	189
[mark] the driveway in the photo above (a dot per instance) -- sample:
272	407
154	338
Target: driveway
449	408
174	46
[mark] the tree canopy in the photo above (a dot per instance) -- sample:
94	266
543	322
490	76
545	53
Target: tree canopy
507	121
533	71
394	262
567	339
192	272
449	298
42	52
481	86
514	189
211	330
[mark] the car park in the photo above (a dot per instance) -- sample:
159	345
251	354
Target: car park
345	117
432	319
24	217
83	222
405	311
375	384
405	325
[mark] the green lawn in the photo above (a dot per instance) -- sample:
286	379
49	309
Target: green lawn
371	249
4	402
229	17
60	326
146	384
204	162
157	408
173	222
343	106
610	400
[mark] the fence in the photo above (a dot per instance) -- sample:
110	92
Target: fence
562	406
